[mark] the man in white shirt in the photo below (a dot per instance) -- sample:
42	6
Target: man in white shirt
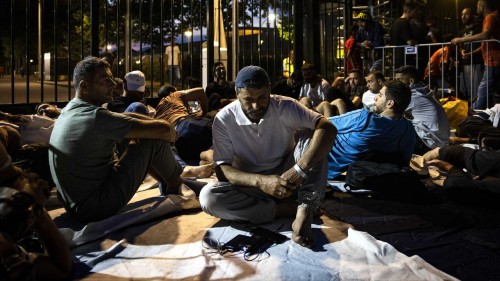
269	152
314	91
375	81
173	58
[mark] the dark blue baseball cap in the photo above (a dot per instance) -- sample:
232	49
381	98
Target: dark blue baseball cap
252	76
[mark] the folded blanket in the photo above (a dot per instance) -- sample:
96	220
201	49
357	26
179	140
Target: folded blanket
141	211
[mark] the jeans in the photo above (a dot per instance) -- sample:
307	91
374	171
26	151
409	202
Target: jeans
174	74
489	88
470	78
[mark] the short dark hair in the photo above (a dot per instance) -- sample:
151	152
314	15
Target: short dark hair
408	6
410	71
377	74
308	67
400	93
214	67
353	30
355	71
86	69
166	90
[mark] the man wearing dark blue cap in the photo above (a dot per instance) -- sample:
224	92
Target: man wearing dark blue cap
269	152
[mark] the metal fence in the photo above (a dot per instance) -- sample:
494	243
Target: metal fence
48	37
454	75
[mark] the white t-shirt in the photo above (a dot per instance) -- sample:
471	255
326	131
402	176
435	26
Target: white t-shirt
368	99
176	52
255	148
316	94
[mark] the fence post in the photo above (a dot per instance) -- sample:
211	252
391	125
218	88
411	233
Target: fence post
298	42
94	27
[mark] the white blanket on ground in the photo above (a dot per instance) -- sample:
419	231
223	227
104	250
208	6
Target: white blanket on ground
142	211
358	257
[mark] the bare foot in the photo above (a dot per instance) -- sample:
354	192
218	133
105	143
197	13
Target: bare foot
199	172
301	227
431	155
207	156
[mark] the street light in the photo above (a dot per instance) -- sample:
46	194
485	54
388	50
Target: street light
269	21
188	34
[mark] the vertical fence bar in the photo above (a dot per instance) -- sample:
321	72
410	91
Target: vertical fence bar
171	75
12	66
25	65
140	34
235	41
151	51
106	26
118	58
191	27
128	37
40	47
298	22
81	30
274	41
181	63
69	50
162	67
55	51
243	49
201	24
210	36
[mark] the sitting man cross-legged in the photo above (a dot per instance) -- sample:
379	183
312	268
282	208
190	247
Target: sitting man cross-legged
268	149
92	182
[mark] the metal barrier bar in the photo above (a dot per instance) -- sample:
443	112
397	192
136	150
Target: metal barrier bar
430	80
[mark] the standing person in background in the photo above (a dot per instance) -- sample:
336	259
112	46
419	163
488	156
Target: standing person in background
489	88
352	54
401	33
369	36
470	56
288	65
173	59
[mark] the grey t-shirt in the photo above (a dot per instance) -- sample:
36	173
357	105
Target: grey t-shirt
82	146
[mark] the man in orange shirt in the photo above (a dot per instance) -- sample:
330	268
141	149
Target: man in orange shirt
489	88
439	65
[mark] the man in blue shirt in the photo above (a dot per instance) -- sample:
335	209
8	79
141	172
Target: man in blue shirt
384	130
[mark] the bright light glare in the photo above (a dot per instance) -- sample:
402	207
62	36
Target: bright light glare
271	17
188	33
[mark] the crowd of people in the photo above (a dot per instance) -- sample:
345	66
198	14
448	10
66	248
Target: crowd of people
272	148
477	62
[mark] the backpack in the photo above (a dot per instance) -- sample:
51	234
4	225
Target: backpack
384	178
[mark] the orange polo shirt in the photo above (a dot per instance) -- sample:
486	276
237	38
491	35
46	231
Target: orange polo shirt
491	50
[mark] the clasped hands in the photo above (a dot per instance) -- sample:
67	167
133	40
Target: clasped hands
281	186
